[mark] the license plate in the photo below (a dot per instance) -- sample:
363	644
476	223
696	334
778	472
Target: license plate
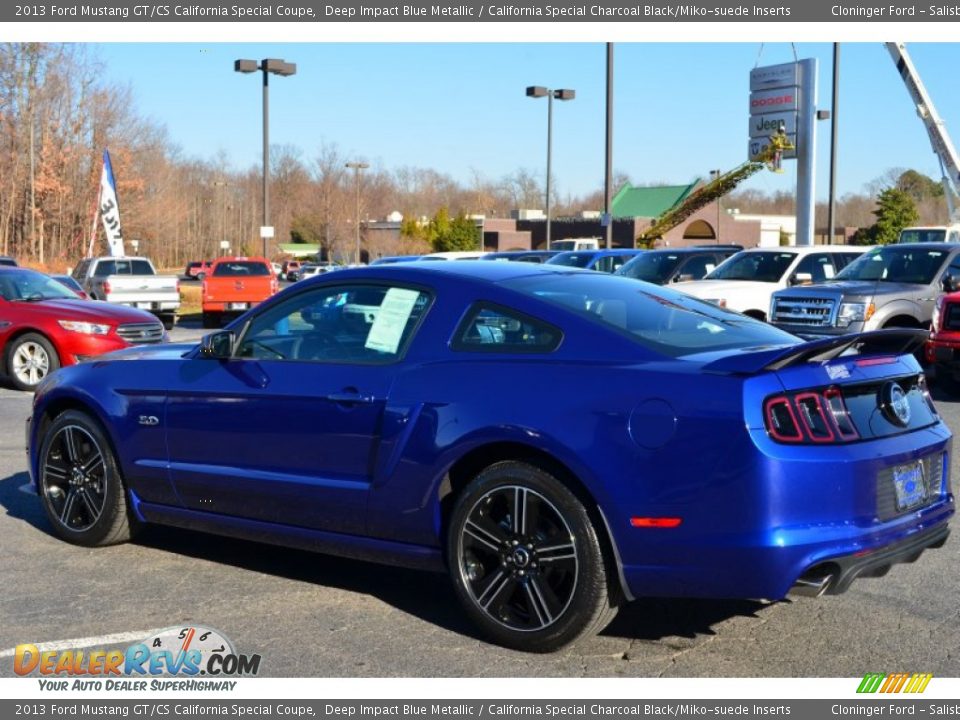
237	306
910	485
144	306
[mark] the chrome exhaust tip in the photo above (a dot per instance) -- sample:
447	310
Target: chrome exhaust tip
811	586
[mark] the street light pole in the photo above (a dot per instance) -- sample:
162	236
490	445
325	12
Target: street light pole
537	91
357	167
284	69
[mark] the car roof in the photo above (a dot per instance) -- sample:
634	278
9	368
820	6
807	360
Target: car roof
477	270
923	245
804	249
693	250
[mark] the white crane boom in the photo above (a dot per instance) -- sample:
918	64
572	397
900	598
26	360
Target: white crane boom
937	131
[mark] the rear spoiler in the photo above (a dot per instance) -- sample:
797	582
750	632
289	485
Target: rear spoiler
896	341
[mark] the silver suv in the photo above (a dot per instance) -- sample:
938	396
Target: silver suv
888	286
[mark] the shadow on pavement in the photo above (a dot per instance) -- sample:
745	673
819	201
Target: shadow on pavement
428	596
21	505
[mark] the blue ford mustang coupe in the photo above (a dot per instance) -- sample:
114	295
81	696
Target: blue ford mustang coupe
559	441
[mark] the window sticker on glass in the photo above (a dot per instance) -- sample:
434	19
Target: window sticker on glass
391	320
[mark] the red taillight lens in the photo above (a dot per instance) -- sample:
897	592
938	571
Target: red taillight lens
781	420
810	417
839	414
106	287
813	417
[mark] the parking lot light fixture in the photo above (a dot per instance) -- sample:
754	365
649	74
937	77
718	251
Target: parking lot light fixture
268	66
357	167
538	91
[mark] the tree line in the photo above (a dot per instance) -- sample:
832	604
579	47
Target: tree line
58	113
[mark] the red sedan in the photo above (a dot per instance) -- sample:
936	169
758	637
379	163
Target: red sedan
43	326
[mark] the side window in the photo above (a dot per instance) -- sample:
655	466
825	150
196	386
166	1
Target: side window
80	271
953	268
344	323
698	266
604	264
490	328
843	259
814	268
954	236
104	268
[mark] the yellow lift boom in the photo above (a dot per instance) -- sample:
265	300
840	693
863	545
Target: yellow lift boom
718	187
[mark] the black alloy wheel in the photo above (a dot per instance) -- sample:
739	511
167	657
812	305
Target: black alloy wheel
526	561
80	485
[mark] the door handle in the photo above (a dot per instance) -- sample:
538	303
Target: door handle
350	398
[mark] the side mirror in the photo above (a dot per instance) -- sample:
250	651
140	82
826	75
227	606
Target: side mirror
949	283
685	277
801	279
217	345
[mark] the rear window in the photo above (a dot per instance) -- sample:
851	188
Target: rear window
663	320
123	267
245	268
572	259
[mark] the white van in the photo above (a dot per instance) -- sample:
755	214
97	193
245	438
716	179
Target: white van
575	244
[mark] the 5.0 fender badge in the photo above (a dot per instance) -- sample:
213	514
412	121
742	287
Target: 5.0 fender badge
148	420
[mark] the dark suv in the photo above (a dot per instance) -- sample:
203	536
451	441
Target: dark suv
7	261
670	265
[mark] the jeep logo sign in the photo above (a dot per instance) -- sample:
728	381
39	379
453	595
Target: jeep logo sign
763	126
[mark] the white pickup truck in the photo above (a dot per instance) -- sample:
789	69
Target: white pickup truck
130	281
746	281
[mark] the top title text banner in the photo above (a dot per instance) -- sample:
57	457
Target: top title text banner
519	10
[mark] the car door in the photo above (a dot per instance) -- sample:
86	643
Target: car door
286	429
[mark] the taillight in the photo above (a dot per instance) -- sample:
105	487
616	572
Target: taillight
106	287
815	416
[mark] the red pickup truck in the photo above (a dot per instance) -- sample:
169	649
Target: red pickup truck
234	285
943	348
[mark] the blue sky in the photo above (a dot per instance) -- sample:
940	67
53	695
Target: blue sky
680	108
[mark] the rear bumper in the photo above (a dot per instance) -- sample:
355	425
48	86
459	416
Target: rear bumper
791	514
836	575
209	306
942	353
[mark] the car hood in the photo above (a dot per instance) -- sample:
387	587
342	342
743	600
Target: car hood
862	288
160	351
89	311
721	288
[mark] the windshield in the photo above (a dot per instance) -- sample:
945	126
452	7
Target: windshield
29	286
896	263
572	259
916	235
768	266
655	267
241	268
666	321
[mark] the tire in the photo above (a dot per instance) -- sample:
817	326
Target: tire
168	321
76	461
210	320
532	580
30	358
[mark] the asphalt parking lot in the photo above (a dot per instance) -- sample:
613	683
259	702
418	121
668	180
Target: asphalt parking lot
309	615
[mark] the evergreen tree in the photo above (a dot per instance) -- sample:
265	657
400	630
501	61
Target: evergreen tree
895	211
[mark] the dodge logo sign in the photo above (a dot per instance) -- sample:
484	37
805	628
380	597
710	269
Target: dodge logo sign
894	404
